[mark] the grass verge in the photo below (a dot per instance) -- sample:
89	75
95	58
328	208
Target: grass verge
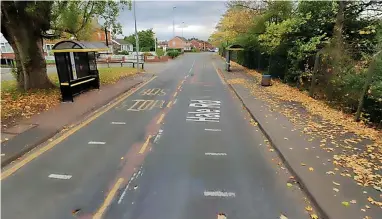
17	104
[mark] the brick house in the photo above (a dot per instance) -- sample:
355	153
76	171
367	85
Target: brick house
179	43
98	35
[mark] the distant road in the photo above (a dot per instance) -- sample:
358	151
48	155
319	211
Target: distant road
51	69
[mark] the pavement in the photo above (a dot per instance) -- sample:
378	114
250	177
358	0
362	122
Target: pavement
180	145
330	187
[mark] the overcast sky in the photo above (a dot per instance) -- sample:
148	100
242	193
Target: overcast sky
199	17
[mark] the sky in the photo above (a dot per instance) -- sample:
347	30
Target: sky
199	17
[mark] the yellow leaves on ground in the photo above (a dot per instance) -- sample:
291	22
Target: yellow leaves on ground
283	216
16	104
346	204
372	201
355	153
289	185
236	81
311	169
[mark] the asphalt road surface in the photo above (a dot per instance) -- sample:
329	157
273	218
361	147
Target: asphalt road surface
181	146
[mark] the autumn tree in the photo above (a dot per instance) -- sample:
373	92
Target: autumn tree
25	24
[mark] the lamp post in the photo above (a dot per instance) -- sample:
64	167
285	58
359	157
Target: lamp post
173	21
136	37
182	28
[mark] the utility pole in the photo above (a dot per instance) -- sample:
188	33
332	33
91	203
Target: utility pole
173	21
136	37
182	28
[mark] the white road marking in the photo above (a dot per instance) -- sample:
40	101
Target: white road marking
96	142
125	190
215	154
191	67
175	100
213	130
158	135
207	113
60	176
219	194
118	123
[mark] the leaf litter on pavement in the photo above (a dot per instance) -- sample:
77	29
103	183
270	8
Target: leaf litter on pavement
353	145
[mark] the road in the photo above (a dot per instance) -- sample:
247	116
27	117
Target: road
181	146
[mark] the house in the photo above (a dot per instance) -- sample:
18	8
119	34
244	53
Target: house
163	44
196	44
99	34
120	45
201	45
179	43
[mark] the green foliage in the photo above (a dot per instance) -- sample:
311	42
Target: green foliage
285	40
124	52
145	49
146	40
160	52
173	53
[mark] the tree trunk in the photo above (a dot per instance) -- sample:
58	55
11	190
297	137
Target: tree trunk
369	80
26	41
315	72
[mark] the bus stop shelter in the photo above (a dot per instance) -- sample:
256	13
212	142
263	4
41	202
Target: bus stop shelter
228	50
77	66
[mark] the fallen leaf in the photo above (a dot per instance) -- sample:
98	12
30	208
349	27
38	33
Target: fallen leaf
367	206
311	169
302	164
345	204
309	208
330	173
353	201
271	150
283	216
314	216
285	138
289	185
336	190
335	183
362	209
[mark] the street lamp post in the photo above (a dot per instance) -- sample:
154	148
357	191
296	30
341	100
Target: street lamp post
173	21
182	28
136	37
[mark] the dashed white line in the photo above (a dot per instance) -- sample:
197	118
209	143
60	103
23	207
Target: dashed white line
215	154
118	123
96	142
219	194
60	176
213	130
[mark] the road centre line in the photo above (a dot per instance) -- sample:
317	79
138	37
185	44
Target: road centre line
215	154
96	142
176	93
53	143
192	66
109	198
219	194
118	123
213	130
169	104
160	119
59	176
144	146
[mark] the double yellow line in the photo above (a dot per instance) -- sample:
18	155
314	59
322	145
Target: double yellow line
53	143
